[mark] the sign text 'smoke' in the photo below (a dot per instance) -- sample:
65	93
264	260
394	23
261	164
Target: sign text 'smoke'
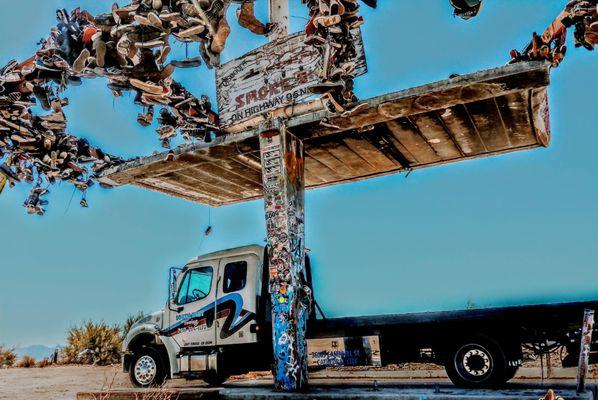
275	75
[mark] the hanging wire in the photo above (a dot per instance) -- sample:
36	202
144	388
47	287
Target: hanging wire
70	201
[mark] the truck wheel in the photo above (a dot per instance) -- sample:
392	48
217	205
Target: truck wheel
213	378
476	363
147	368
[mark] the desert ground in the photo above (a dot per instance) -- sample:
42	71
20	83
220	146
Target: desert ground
64	382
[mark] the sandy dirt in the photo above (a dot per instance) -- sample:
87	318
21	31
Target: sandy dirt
58	383
63	382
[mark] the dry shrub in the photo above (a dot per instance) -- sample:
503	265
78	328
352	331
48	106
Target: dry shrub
130	321
157	393
7	357
44	362
93	343
26	362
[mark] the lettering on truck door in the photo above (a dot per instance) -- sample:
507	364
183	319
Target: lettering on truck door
191	322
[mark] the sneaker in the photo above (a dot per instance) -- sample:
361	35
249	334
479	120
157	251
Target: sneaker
194	30
148	87
80	61
100	49
327	20
169	157
8	173
326	87
166	132
187	62
42	94
155	20
466	9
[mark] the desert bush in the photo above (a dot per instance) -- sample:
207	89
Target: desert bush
26	362
44	362
93	343
130	321
7	357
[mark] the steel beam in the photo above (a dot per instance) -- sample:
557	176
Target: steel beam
283	179
584	352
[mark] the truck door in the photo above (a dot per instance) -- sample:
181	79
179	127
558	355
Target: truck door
191	321
238	284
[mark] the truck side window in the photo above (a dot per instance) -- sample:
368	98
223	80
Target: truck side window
235	276
196	285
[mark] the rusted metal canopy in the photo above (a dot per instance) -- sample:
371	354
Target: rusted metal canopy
477	115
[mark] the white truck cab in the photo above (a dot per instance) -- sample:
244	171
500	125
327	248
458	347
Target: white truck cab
210	316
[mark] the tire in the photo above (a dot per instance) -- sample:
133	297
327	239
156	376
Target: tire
147	368
215	378
476	363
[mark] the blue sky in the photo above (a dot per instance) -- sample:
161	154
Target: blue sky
519	228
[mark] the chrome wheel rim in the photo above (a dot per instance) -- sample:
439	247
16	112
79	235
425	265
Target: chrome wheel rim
474	363
145	370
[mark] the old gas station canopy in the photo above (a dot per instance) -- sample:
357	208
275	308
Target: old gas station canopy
477	115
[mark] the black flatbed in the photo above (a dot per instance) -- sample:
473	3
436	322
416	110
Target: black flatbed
555	317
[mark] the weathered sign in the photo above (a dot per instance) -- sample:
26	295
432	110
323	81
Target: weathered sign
347	351
275	75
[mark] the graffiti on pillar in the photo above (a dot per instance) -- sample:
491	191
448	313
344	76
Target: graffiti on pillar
283	180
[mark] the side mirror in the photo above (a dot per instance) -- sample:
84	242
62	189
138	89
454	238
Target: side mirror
173	274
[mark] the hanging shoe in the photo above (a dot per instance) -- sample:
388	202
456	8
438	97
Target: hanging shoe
466	9
247	19
219	39
80	61
187	62
148	87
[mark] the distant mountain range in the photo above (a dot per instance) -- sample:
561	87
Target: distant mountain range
36	351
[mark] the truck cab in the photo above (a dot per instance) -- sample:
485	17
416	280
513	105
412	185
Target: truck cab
215	313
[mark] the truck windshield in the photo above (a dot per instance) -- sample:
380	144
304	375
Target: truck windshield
196	285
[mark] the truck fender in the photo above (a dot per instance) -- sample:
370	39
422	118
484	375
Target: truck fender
148	334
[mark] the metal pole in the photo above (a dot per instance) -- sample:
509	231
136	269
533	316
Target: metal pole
584	352
284	188
279	15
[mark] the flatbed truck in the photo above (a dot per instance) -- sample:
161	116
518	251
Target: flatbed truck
216	323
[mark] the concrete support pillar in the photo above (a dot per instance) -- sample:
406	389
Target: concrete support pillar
283	178
584	352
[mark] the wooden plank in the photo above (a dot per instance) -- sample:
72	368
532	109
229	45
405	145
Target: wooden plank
368	152
214	180
324	157
349	157
234	176
433	130
175	190
194	184
458	121
440	95
319	170
247	171
489	124
409	136
514	109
